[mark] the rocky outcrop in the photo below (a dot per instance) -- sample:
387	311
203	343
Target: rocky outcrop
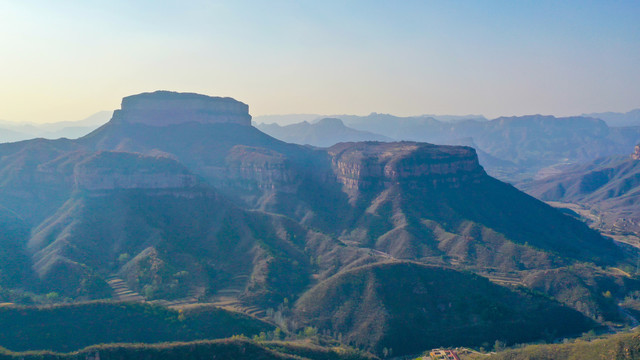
370	164
115	170
636	153
254	167
162	108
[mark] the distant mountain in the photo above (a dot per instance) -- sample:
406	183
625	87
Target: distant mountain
398	128
9	135
614	119
11	132
323	133
610	186
178	198
286	119
289	119
514	149
519	146
383	123
456	118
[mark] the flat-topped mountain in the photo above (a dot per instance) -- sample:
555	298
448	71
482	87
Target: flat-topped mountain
163	108
178	196
510	148
362	165
419	201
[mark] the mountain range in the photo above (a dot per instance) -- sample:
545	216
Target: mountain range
616	119
514	149
609	187
11	131
380	245
323	133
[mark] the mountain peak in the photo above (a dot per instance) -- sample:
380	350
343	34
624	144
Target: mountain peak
162	108
331	122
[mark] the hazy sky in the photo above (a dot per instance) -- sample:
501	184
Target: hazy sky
64	60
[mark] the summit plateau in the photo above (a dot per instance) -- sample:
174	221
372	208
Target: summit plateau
178	200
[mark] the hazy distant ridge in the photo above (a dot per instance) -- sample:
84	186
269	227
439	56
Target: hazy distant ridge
631	118
324	133
14	131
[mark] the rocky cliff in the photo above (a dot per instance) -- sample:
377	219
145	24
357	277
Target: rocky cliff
162	108
636	153
109	170
370	164
267	169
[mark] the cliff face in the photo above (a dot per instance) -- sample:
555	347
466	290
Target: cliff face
162	108
259	167
113	170
636	153
371	164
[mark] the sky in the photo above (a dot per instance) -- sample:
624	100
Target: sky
65	60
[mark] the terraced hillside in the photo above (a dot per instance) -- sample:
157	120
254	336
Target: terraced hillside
198	213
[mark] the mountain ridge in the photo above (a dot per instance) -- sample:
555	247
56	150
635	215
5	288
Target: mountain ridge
223	211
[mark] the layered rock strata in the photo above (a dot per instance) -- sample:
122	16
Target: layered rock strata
250	167
163	108
369	164
109	170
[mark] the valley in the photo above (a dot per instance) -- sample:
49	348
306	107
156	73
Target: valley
319	180
179	207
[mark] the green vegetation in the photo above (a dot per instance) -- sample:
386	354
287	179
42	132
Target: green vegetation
228	349
74	326
300	233
590	290
110	162
619	347
15	268
407	307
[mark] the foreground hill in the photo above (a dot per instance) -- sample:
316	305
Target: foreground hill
72	327
619	347
227	349
178	198
409	307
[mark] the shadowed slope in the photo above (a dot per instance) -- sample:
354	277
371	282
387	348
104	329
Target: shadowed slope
409	307
72	327
418	200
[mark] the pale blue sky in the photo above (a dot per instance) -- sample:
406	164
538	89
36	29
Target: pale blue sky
64	60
